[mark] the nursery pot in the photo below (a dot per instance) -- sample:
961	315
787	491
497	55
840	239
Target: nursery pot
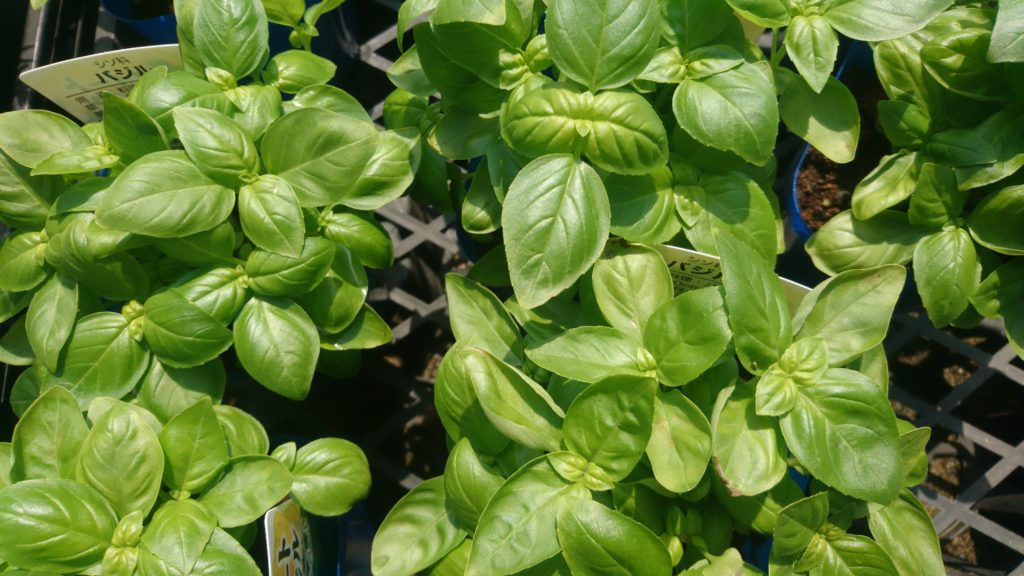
157	28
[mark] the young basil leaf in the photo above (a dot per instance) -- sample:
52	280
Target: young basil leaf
747	450
22	262
596	540
680	443
766	13
54	525
515	404
363	235
812	45
256	108
556	218
277	344
285	454
175	537
469	484
829	119
996	222
244	433
225	555
626	135
905	531
458	406
271	216
367	330
851	311
102	358
840	415
517	530
164	195
544	121
119	442
285	12
195	448
734	111
609	424
129	131
874	20
329	98
48	438
847	243
275	275
329	476
31	136
25	199
687	335
166	391
947	273
292	70
389	172
217	145
479	320
602	43
326	162
481	208
416	533
15	349
51	317
630	283
592	353
231	35
180	333
336	302
251	485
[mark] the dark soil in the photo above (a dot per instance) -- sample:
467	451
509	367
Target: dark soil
142	9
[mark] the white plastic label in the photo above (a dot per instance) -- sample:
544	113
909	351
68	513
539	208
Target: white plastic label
77	85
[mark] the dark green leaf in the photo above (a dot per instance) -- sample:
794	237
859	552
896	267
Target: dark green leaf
277	344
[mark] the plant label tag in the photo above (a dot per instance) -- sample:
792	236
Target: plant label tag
78	85
692	270
290	548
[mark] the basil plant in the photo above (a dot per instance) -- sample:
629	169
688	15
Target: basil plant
642	119
949	199
201	214
630	430
123	492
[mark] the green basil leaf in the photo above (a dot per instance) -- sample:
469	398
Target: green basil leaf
275	275
72	162
166	391
797	525
329	476
829	119
326	162
556	218
461	135
874	20
164	195
51	317
812	45
960	148
277	344
643	207
214	246
602	43
102	358
851	311
905	531
217	145
517	530
626	134
31	136
754	294
687	335
455	82
119	442
747	449
292	70
284	12
1006	43
947	272
99	408
458	405
481	208
15	349
630	283
596	541
416	533
180	333
129	131
958	61
367	330
842	414
224	555
271	216
592	353
244	433
336	302
407	74
905	124
231	35
680	443
256	108
936	199
690	25
469	484
996	296
995	222
27	388
219	292
25	199
251	485
731	205
54	525
734	111
767	13
363	235
175	537
544	121
855	555
22	262
48	438
847	243
329	98
479	320
6	457
609	424
515	404
195	448
389	172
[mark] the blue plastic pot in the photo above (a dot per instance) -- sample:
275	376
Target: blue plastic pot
159	30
